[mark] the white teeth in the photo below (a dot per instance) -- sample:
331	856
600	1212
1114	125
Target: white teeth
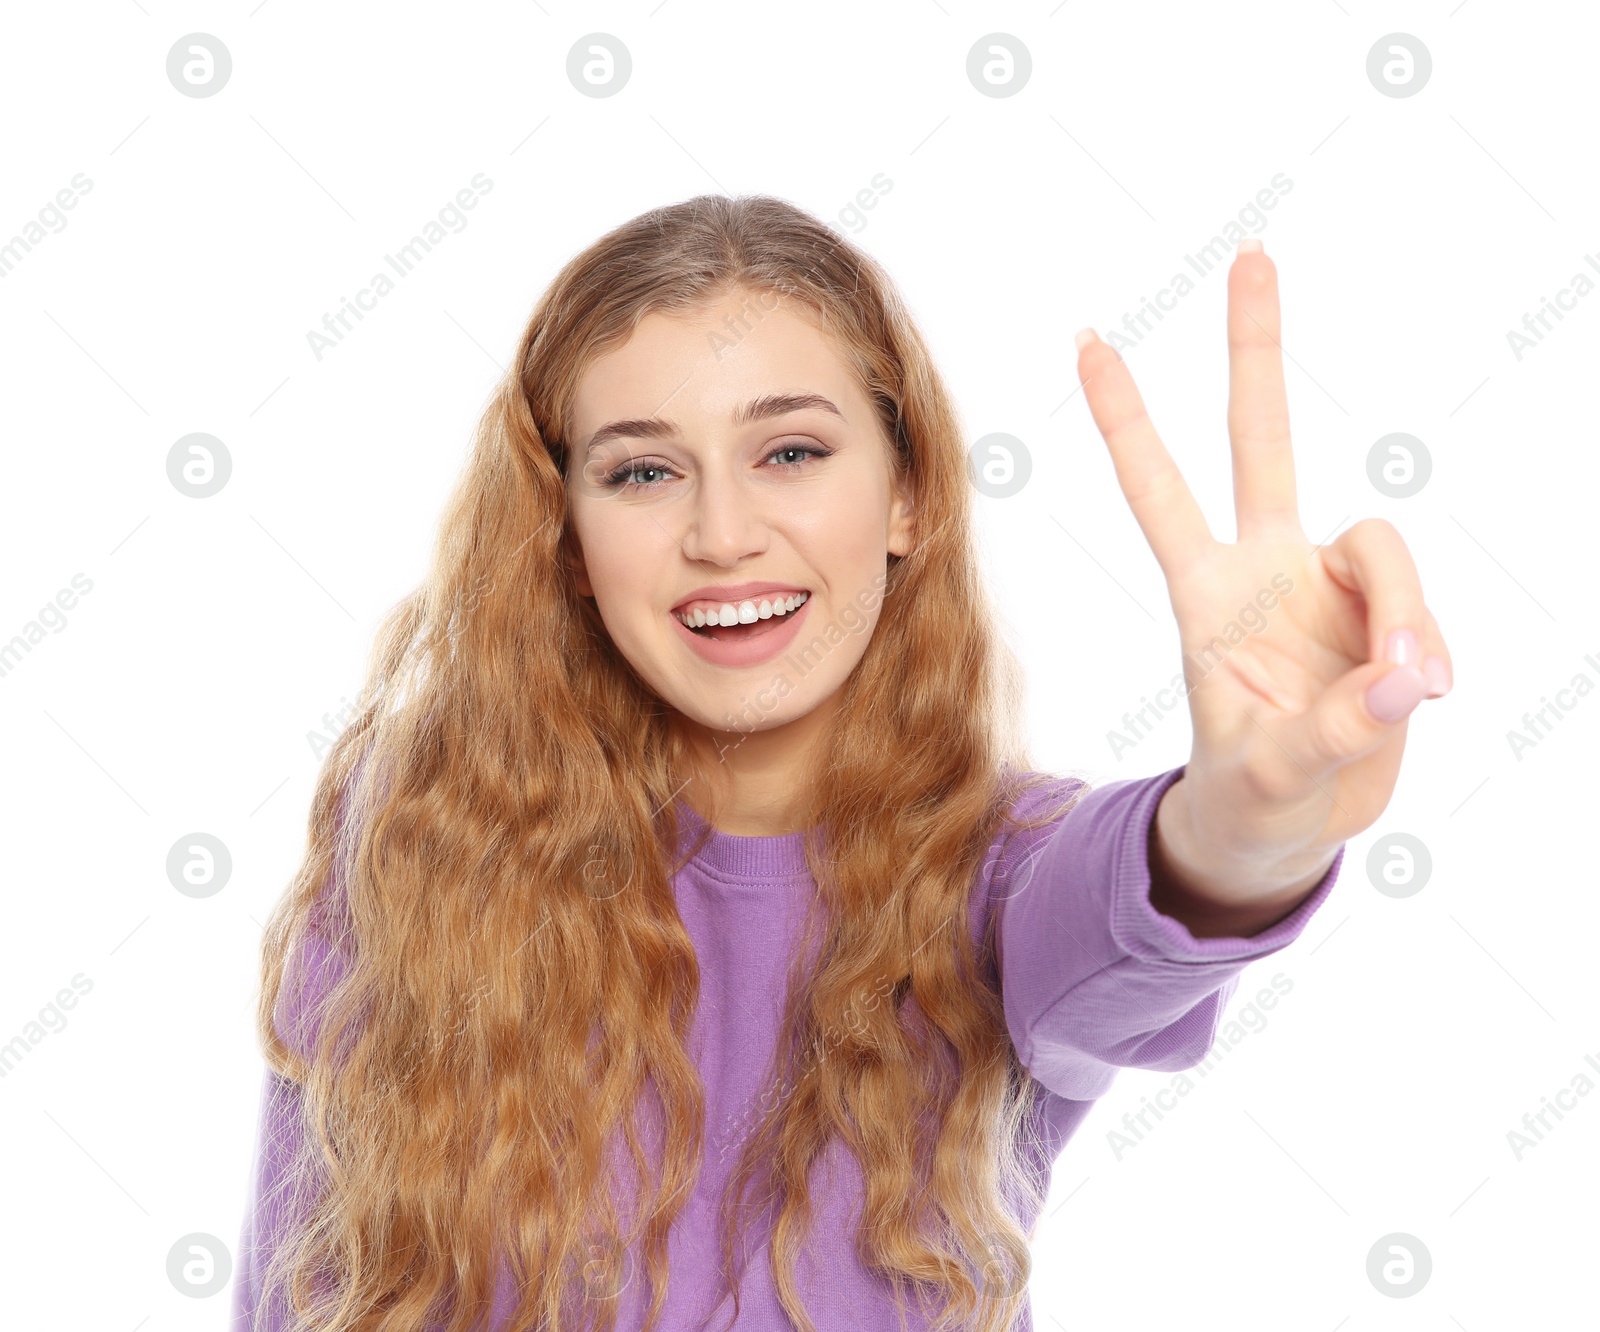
746	612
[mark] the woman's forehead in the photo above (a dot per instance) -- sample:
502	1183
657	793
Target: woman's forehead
711	364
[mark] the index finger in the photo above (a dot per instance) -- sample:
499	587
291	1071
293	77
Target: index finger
1155	489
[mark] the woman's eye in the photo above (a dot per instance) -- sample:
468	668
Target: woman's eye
632	469
808	450
625	475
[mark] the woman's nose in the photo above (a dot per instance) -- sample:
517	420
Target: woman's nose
725	522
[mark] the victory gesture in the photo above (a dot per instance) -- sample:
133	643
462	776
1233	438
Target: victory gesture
1299	725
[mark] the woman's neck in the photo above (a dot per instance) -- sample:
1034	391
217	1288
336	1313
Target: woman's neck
756	782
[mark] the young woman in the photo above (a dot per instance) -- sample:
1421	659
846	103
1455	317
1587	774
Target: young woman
685	939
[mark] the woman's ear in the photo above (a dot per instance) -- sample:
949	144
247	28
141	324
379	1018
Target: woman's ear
902	512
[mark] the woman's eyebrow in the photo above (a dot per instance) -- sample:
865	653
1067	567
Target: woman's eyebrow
757	409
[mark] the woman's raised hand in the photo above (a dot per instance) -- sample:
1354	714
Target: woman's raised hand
1298	725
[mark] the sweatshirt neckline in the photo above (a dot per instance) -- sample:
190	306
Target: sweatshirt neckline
777	857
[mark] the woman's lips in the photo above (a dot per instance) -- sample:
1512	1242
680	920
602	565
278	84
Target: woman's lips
749	649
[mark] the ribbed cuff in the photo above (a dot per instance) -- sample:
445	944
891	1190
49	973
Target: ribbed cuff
1144	932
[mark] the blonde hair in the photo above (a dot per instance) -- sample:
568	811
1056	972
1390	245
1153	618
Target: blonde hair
485	1022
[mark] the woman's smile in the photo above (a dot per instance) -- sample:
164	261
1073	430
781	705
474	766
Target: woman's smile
747	641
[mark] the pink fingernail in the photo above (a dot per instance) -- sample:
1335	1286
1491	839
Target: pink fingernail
1084	337
1437	674
1401	647
1397	694
1250	245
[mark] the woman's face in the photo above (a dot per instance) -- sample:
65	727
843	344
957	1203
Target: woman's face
728	459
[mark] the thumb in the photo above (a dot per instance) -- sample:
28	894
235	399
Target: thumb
1355	714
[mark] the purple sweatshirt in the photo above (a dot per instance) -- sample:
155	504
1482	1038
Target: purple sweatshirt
1092	977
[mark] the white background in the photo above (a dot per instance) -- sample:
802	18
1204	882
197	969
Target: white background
179	694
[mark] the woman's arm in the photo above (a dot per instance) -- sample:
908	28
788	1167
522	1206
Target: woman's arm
277	1130
1094	977
277	1183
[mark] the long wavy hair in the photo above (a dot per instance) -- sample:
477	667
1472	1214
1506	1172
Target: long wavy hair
500	1008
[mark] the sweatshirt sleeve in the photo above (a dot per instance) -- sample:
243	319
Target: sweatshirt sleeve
276	1131
314	966
1093	978
276	1183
